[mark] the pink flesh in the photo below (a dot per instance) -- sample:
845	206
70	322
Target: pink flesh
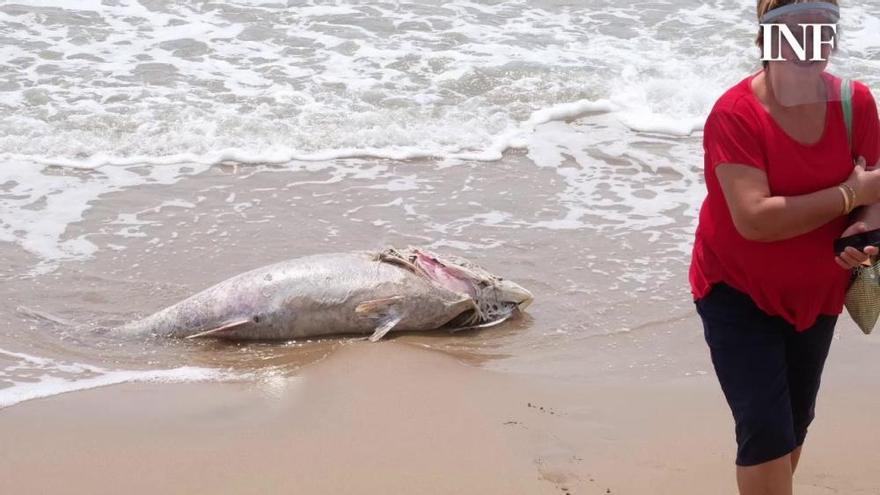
445	276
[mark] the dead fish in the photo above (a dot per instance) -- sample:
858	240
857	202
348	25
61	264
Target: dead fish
364	292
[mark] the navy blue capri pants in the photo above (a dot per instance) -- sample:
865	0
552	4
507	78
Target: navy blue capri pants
769	373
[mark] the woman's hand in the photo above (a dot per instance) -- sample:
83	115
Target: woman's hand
852	257
865	183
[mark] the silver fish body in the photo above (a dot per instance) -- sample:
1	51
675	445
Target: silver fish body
337	293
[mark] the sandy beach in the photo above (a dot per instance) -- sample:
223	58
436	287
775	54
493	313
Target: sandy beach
395	418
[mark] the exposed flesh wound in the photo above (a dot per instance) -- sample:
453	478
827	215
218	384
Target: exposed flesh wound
444	275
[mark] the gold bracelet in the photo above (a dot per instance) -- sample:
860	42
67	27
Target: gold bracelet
852	194
846	203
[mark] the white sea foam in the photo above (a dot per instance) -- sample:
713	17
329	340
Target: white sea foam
264	83
125	93
32	377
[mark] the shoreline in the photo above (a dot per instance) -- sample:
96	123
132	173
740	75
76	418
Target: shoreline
394	418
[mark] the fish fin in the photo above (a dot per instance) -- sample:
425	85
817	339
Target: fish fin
36	314
385	310
218	331
377	307
387	324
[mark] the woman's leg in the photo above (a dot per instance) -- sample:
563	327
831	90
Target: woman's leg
768	478
805	357
795	457
748	349
806	353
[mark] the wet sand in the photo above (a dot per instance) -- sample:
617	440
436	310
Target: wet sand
395	418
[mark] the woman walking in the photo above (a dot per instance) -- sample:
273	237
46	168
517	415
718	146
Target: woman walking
783	182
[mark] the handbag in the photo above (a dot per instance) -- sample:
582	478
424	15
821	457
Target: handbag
863	296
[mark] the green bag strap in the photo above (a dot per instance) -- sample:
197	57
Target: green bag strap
846	103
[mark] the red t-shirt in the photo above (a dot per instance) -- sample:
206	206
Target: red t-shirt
795	278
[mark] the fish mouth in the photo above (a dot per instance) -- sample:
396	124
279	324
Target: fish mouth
474	318
517	295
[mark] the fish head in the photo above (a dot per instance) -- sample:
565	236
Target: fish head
495	296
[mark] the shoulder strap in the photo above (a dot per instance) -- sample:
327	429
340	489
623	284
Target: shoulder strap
846	103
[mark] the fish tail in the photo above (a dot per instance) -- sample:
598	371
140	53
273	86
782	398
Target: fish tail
36	314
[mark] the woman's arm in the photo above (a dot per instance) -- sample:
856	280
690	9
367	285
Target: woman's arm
760	216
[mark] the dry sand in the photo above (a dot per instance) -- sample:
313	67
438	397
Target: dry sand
394	418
